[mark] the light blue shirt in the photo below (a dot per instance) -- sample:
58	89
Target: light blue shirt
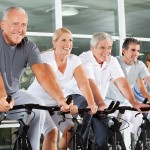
137	92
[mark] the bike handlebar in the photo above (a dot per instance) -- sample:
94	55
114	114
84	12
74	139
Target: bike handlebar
29	107
80	110
111	109
36	106
8	99
122	108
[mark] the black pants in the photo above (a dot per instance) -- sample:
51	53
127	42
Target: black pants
100	130
98	125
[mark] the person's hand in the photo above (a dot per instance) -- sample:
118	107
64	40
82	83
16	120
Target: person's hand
102	106
93	109
64	106
4	105
140	105
73	109
148	99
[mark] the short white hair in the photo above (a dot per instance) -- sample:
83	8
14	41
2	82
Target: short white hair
99	36
5	14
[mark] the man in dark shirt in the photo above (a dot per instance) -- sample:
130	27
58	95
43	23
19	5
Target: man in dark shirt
16	51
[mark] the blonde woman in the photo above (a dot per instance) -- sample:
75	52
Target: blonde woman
66	67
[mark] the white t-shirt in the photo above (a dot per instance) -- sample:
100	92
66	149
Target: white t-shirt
102	74
65	78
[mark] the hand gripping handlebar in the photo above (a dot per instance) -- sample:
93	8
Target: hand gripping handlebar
37	106
111	109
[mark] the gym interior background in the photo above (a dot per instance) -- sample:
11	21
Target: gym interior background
119	18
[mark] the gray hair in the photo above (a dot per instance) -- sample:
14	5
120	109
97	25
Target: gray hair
6	12
99	36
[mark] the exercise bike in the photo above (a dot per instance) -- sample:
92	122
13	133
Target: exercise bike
118	143
143	142
22	141
80	134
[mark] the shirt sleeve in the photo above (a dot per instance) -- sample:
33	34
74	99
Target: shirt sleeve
46	57
89	71
75	61
143	70
87	65
34	54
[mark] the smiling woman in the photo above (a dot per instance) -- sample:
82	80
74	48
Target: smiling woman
62	45
67	68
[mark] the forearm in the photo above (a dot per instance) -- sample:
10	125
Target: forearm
86	91
97	97
3	92
52	87
128	94
147	80
146	95
48	80
142	88
96	93
126	90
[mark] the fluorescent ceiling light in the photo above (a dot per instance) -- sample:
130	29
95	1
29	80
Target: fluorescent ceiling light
141	54
69	11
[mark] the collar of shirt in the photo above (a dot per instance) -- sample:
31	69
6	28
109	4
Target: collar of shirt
95	63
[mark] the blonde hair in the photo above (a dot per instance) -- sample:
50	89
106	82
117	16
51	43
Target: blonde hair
59	32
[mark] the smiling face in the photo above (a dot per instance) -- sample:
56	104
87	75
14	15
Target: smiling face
102	51
63	44
131	54
14	27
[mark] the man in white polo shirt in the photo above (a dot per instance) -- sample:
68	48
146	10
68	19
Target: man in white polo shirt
101	68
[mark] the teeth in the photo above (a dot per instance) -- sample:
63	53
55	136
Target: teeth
105	55
66	48
17	34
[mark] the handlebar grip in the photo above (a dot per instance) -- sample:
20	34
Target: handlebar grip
69	99
111	105
145	100
8	99
83	110
116	105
